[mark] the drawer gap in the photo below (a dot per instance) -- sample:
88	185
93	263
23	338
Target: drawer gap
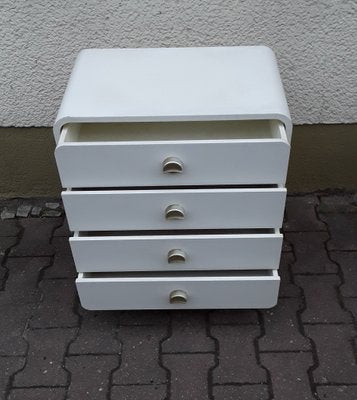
173	131
179	232
172	187
179	274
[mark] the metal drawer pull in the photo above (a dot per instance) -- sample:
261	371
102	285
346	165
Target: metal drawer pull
172	165
178	297
174	211
176	256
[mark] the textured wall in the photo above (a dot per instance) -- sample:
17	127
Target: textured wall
315	42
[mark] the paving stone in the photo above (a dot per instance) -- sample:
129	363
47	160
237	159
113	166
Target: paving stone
23	210
44	366
234	317
97	334
90	376
337	363
351	305
9	228
140	356
21	284
63	264
51	213
57	307
8	367
189	333
322	304
188	375
348	263
13	321
5	245
310	252
36	211
143	318
7	214
282	329
286	245
36	237
338	204
63	230
137	392
288	372
57	393
287	286
340	392
52	205
241	392
237	361
301	214
343	230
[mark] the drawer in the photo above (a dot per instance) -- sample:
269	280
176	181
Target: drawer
99	252
111	210
132	291
172	153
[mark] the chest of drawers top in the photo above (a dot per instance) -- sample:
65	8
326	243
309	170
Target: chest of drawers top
173	85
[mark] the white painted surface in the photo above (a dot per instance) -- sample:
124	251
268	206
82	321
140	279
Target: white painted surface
145	209
205	162
204	84
215	291
150	253
315	44
187	84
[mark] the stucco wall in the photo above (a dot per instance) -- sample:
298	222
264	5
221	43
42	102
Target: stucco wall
314	40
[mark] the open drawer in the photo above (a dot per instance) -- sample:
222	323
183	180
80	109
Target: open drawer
172	153
231	208
124	291
118	252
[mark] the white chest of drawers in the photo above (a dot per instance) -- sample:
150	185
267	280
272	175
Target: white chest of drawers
174	163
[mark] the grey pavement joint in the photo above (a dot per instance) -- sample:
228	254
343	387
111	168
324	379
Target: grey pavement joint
184	384
237	359
140	356
282	328
44	366
311	254
90	376
57	308
343	230
322	302
188	334
97	333
301	214
37	234
289	374
335	352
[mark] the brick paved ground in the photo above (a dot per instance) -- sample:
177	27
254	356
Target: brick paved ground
304	348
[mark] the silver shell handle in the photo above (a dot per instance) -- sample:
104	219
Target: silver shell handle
174	211
178	297
176	256
172	165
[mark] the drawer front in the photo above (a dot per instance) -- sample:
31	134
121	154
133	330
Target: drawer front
96	163
174	209
176	252
142	164
160	292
